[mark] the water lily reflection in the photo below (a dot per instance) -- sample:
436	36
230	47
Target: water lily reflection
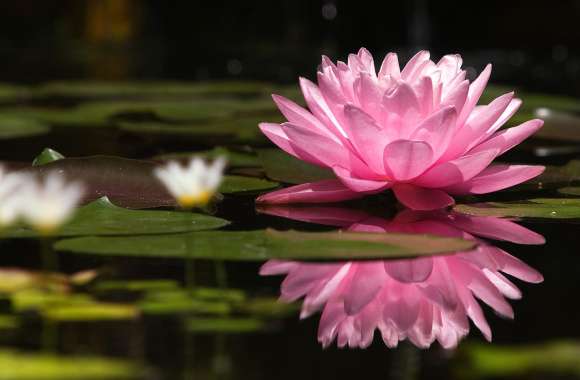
422	299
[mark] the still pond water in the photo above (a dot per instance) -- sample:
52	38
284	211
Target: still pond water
134	289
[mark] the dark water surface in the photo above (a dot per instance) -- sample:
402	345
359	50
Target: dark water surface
220	319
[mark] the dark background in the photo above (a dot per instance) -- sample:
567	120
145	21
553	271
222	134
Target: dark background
533	44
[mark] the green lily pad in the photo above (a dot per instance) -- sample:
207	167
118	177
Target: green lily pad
135	285
27	366
101	217
239	129
151	111
238	184
267	244
553	177
90	311
66	307
560	357
571	190
282	167
86	89
15	126
131	183
8	322
224	325
554	208
11	92
174	302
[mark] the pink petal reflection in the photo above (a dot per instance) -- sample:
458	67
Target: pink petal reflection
423	300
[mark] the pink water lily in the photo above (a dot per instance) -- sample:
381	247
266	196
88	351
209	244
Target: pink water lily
423	300
417	131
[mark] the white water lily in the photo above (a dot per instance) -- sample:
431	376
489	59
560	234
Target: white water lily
12	200
49	202
193	184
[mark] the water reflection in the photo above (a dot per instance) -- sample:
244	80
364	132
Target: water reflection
423	299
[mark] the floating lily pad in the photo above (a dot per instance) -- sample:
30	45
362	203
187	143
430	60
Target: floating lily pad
570	190
136	285
282	167
85	89
553	177
65	307
239	129
238	184
90	311
14	126
554	208
101	217
224	325
560	357
27	366
174	302
150	112
266	244
131	183
11	92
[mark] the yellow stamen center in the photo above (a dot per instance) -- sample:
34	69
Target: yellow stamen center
194	200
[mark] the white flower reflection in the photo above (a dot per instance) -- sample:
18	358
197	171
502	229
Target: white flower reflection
422	300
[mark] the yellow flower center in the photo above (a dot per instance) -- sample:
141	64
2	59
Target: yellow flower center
194	200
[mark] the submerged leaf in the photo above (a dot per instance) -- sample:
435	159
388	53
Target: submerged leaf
101	217
264	244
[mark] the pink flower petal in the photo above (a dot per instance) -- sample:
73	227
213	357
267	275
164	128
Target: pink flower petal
318	105
331	190
359	184
409	271
515	267
369	94
364	285
330	216
277	267
390	66
457	96
508	138
497	177
456	171
299	116
414	64
475	90
367	137
277	135
478	123
418	198
497	228
406	159
308	144
449	65
437	130
401	100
